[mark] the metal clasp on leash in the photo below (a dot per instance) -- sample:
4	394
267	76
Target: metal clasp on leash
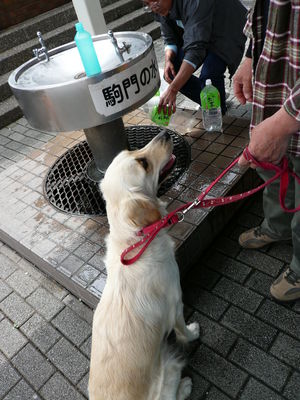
194	204
180	215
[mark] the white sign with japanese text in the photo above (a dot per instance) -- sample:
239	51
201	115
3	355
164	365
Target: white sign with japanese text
127	87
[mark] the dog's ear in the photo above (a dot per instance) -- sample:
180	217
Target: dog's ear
142	212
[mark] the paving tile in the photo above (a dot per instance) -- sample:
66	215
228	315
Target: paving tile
73	327
11	340
22	283
16	309
260	364
98	285
7	266
88	227
100	235
214	335
86	347
202	276
227	266
86	275
69	360
297	306
8	376
260	261
57	255
71	265
33	366
238	295
292	389
254	390
45	303
58	388
216	394
87	250
249	327
206	157
260	283
205	302
40	332
200	385
287	349
54	288
218	371
31	269
22	391
280	317
283	251
4	290
97	260
43	247
227	246
182	230
83	385
72	241
83	311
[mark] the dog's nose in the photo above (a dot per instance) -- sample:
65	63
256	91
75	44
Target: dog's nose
164	135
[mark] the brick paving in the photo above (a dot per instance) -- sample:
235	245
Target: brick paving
249	347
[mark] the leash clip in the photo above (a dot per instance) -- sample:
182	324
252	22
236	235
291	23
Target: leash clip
180	215
195	203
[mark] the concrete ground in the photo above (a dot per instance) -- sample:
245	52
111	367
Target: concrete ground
249	347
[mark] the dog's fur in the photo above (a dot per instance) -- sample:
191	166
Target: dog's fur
141	304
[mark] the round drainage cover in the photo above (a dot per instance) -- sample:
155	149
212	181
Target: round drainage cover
68	188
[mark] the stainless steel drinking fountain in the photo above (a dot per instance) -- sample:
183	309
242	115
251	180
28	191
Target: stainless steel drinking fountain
55	94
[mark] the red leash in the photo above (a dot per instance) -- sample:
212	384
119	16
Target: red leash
282	171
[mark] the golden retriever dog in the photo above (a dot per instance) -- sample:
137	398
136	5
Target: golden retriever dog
141	303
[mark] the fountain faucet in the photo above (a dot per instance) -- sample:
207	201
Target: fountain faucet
43	51
119	50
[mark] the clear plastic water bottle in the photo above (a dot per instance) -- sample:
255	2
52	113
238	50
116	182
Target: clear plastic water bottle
87	51
211	107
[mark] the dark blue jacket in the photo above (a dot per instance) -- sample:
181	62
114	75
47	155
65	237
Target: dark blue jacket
209	25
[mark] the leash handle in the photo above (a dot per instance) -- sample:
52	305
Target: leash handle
283	171
262	164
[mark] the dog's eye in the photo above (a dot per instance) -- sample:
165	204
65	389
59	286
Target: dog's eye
144	163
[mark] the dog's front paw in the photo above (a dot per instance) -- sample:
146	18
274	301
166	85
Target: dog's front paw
194	331
184	389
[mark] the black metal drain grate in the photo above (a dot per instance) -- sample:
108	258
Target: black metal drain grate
68	188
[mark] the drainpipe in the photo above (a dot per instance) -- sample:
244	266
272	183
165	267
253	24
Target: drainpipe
89	13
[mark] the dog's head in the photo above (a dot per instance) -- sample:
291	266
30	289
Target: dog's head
131	182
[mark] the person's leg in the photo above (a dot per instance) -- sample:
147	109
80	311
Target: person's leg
276	222
287	286
276	225
213	68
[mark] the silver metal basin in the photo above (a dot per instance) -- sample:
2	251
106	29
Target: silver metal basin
57	96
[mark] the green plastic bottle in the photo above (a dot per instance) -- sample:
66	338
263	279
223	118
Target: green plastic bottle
156	117
160	118
211	107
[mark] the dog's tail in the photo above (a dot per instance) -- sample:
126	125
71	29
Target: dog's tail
168	374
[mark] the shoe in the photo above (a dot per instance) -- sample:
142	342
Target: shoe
255	239
286	287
